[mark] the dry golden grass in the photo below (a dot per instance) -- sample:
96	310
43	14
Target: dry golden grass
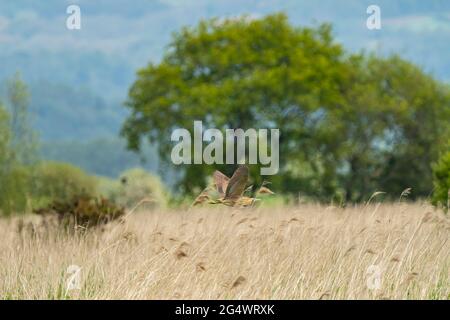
306	252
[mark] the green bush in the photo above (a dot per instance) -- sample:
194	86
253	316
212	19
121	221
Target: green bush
133	186
441	175
59	181
83	210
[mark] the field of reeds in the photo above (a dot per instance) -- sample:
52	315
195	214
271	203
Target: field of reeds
378	251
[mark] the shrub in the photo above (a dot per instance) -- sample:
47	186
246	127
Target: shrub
60	181
441	175
133	186
83	210
108	187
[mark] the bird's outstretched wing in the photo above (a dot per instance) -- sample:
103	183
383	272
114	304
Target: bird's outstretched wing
236	185
221	182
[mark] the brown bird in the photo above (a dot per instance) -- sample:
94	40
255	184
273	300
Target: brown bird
234	187
231	191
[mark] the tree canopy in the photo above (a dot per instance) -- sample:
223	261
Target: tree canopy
350	124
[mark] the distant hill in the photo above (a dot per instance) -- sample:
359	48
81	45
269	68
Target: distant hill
79	79
62	112
103	156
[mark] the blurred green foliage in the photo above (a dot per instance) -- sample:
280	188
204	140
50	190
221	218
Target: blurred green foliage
24	141
27	183
14	185
441	172
17	149
351	124
5	134
133	186
51	181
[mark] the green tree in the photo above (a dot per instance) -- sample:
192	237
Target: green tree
350	124
237	74
441	174
13	178
23	137
18	149
393	125
5	135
